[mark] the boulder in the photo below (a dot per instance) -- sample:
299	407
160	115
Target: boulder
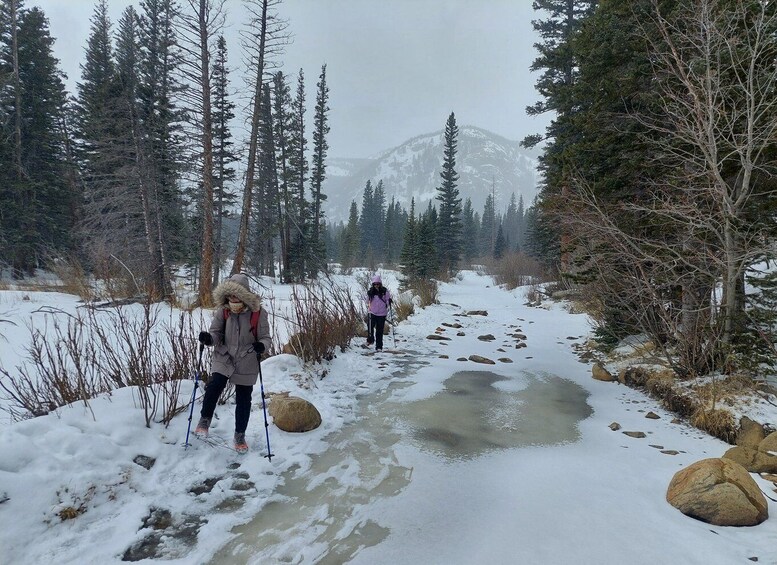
481	359
294	414
769	443
750	433
753	460
601	374
718	491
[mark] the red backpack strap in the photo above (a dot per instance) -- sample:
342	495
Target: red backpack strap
255	322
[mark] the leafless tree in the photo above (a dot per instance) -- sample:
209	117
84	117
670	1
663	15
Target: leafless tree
264	37
203	22
714	64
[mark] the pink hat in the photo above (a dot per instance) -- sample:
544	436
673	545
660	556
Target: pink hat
376	279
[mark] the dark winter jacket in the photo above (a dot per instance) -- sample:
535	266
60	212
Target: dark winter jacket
233	353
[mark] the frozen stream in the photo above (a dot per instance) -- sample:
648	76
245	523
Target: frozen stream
329	513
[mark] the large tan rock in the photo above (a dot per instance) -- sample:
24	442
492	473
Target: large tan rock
769	443
293	414
601	374
750	433
718	491
753	460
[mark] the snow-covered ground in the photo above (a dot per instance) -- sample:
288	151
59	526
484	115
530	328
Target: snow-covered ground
596	500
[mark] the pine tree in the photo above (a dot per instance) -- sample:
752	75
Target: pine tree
449	219
366	224
351	241
469	232
37	201
283	150
297	169
159	139
409	259
318	171
500	245
488	226
426	244
559	65
224	155
267	215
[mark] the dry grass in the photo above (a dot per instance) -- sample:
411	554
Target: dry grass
403	309
74	278
514	270
426	289
716	422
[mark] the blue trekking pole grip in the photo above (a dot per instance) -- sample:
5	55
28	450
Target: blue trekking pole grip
194	393
264	409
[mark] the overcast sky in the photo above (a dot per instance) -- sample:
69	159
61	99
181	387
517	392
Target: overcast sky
395	68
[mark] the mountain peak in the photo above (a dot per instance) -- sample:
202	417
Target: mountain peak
484	161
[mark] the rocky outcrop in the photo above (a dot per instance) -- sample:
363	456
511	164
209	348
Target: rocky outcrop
718	491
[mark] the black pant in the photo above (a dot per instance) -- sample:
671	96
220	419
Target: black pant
377	323
216	385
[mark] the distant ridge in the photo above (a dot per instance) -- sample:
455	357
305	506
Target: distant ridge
412	170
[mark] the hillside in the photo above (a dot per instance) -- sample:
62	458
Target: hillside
484	159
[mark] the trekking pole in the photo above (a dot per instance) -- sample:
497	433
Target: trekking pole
194	393
264	409
393	323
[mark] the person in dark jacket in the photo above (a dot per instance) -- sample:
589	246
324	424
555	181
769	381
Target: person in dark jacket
378	304
236	352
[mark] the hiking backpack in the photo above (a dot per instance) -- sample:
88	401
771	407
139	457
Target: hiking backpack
254	320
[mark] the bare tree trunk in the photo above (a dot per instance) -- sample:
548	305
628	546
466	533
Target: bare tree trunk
206	264
242	236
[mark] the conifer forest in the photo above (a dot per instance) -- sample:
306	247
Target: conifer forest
657	171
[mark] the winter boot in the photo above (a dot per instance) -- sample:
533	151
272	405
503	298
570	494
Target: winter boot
201	430
240	443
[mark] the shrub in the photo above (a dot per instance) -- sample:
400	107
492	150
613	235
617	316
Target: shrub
325	317
515	269
99	351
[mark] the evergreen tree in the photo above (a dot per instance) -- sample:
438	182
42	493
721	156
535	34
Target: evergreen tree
366	223
409	259
224	155
500	245
449	219
559	65
488	226
283	149
298	171
267	211
36	200
318	171
351	240
160	135
396	220
426	244
469	232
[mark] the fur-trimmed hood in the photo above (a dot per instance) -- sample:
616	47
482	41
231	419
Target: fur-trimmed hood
237	285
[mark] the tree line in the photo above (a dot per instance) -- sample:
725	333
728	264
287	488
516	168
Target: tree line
658	190
139	173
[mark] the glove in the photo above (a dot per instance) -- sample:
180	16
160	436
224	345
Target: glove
206	339
258	346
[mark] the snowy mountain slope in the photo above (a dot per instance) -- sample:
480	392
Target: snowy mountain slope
484	161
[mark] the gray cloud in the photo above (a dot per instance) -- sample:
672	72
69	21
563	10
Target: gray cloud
395	68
